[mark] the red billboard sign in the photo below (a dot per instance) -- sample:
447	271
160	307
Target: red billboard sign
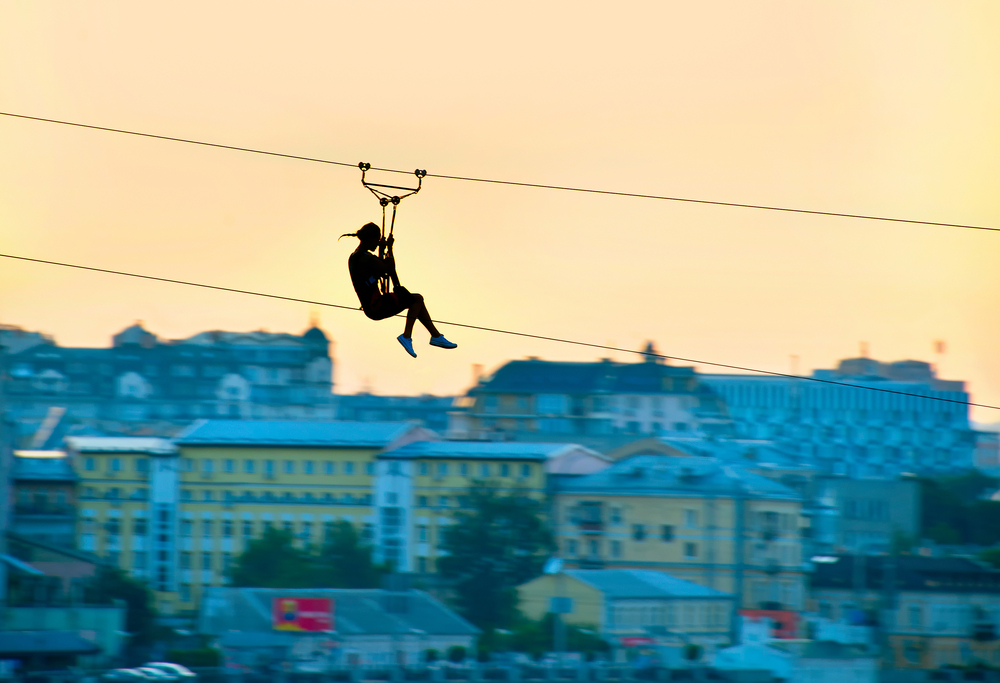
302	614
786	624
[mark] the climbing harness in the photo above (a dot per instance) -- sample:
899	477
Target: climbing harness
385	199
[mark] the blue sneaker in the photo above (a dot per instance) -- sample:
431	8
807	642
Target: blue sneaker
407	344
442	343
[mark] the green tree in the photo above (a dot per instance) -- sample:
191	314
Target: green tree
273	561
111	583
991	556
346	562
498	543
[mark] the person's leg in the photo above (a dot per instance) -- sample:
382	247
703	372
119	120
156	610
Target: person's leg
418	311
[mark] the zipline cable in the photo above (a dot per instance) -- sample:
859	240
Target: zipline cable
542	186
507	332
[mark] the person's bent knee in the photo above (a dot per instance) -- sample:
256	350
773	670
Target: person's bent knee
417	297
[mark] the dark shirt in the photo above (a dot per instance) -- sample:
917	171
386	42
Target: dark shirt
366	268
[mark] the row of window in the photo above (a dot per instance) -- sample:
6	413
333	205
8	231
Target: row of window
248	466
592	549
248	529
562	404
483	469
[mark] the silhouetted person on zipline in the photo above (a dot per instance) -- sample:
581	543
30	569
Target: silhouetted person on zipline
366	271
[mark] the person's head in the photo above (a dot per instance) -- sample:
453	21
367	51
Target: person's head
369	234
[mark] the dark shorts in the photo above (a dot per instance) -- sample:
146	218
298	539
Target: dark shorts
388	305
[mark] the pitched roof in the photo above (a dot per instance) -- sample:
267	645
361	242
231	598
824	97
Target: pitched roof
540	376
641	583
470	450
121	444
355	612
656	475
294	434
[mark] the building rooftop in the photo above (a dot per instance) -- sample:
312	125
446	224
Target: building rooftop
556	377
641	584
27	467
912	573
355	611
292	434
471	450
654	475
121	444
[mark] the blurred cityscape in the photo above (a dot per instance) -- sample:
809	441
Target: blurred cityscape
214	503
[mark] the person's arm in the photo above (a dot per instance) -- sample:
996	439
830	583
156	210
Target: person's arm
390	262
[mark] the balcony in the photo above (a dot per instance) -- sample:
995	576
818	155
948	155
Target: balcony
591	526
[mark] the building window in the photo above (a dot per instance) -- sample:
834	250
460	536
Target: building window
667	532
422	469
185	592
691	519
230	466
616	549
206	560
268	467
443	501
227	561
916	616
616	516
306	530
638	532
185	494
185	560
288	526
188	464
329	467
289	467
484	470
247	529
248	466
187	527
595	548
139	527
207	495
141	465
504	470
139	560
370	468
227	528
115	465
690	551
88	464
421	501
206	528
348	468
571	547
442	469
422	565
525	470
207	466
391	498
422	534
307	467
463	469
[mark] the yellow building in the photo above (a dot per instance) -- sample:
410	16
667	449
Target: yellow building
697	519
177	512
629	604
115	501
421	485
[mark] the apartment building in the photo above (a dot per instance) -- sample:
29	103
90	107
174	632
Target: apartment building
420	487
177	512
601	404
697	519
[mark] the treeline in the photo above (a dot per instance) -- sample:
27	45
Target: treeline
954	513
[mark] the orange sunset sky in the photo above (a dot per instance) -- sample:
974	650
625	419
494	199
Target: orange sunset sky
889	108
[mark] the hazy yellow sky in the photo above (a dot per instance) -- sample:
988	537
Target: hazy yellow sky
887	107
